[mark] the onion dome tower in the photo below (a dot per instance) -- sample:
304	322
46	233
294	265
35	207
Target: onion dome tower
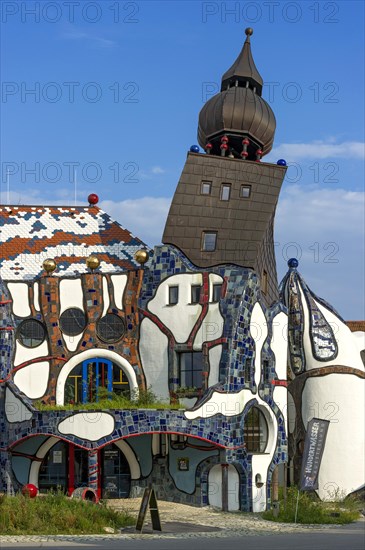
224	205
238	116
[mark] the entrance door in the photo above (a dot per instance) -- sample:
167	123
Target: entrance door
116	476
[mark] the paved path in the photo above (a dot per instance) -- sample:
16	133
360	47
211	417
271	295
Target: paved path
180	521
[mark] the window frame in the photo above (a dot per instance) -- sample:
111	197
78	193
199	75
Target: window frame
35	322
62	321
194	301
244	186
225	186
206	182
215	286
191	371
256	434
101	322
204	234
170	289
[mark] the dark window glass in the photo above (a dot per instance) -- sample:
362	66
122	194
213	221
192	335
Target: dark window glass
217	289
173	295
195	294
31	333
209	241
191	368
245	191
73	321
206	187
255	431
225	192
53	469
110	328
248	370
266	369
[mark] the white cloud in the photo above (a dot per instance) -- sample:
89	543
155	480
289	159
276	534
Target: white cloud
158	170
318	149
325	230
144	217
75	34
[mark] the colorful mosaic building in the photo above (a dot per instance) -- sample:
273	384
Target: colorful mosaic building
88	313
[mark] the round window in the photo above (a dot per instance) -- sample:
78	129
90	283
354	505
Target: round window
72	321
31	333
110	328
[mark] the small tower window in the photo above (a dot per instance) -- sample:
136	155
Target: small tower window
195	294
173	295
209	241
245	191
206	188
217	289
225	192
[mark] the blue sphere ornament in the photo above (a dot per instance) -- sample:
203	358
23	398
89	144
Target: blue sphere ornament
194	149
281	162
293	262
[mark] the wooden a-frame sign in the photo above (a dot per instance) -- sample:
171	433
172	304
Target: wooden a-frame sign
149	501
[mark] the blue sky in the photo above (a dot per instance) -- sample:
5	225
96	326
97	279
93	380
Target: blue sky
118	87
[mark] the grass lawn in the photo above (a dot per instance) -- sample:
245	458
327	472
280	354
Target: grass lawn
311	510
56	514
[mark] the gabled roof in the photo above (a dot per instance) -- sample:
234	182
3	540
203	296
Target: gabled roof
30	234
355	326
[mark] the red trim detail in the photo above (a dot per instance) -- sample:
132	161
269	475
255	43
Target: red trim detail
71	469
99	473
283	383
6	302
30	362
125	437
31	457
6	328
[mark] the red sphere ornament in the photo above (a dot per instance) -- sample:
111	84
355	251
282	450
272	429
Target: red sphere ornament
246	141
209	146
224	146
224	139
93	199
244	154
259	152
29	490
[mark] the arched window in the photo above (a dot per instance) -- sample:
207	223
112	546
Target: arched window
255	431
93	379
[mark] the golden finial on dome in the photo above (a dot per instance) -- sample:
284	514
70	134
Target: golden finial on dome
141	256
49	265
249	31
92	262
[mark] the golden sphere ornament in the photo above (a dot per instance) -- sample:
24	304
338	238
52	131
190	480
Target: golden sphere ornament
92	262
49	265
141	256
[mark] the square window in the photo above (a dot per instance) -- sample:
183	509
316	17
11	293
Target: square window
191	369
217	289
245	191
195	294
225	192
206	188
173	295
209	241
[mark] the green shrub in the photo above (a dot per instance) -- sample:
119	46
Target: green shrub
56	514
311	510
144	399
